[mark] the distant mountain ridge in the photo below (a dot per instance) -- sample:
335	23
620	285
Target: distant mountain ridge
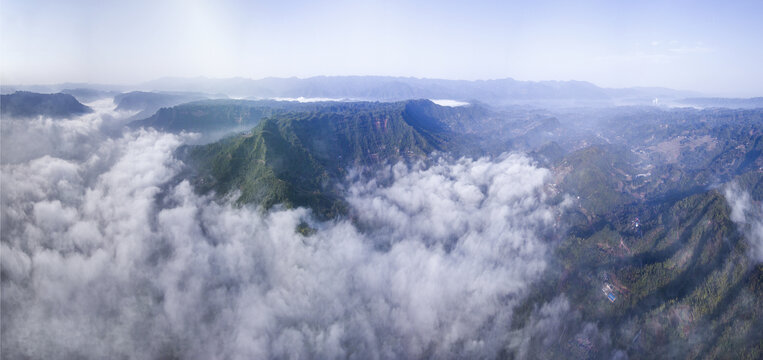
86	95
218	115
499	92
147	103
29	104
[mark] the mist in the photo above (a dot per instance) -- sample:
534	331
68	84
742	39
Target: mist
107	252
748	215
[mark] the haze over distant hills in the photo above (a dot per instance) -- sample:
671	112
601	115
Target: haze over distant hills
751	103
383	88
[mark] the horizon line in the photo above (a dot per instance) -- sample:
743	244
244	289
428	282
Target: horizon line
171	77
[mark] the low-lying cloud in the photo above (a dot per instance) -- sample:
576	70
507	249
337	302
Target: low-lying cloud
24	139
749	216
105	254
449	102
303	99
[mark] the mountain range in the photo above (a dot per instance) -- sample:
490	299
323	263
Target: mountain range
497	92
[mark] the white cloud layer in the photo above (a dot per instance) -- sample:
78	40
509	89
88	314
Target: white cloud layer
25	139
104	255
448	102
303	99
749	216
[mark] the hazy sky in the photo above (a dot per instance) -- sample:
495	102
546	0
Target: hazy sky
715	47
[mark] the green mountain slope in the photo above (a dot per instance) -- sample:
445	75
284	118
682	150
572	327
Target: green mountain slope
295	158
681	278
598	174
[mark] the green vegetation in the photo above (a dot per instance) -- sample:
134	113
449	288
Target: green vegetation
296	158
598	175
684	280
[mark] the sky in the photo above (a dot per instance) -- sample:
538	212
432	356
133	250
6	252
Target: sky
711	47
